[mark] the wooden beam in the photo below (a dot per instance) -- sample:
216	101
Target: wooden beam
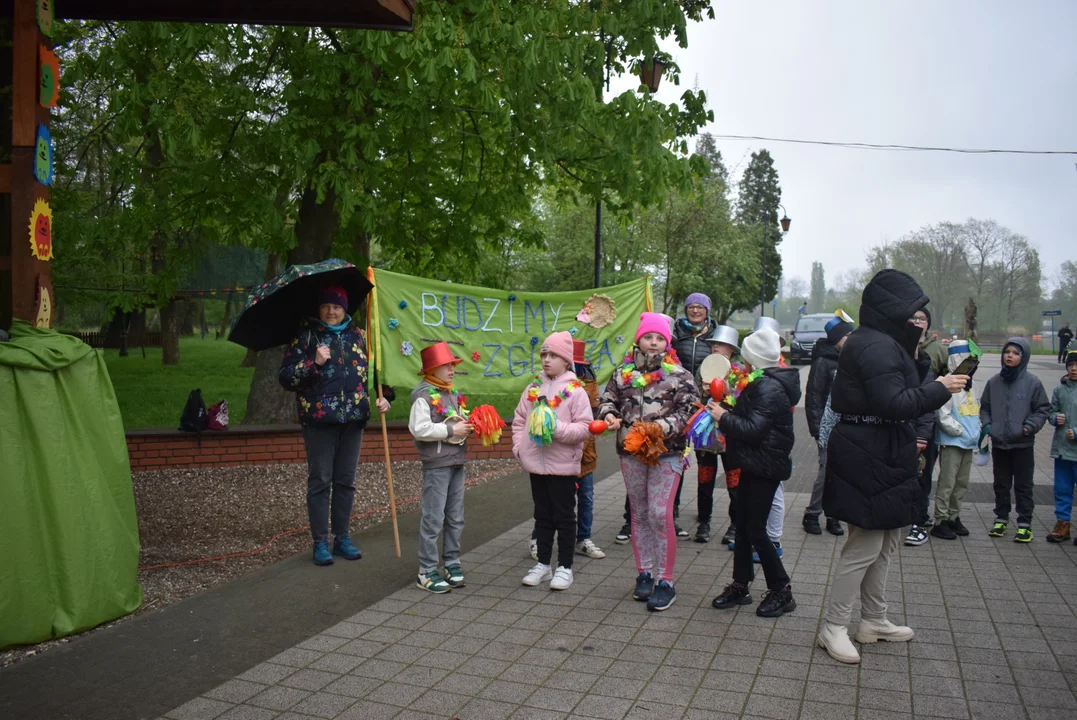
5	178
24	88
368	14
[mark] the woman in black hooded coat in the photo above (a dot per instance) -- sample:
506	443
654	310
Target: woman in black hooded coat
871	478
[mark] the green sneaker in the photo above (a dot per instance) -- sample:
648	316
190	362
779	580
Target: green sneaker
454	575
433	582
998	529
1024	535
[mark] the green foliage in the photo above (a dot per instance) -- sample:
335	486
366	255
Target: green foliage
152	395
995	266
757	205
817	301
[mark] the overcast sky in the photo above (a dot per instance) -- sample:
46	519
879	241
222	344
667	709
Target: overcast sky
956	73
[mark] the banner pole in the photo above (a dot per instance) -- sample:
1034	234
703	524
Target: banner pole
374	333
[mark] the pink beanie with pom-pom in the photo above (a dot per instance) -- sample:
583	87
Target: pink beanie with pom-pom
650	322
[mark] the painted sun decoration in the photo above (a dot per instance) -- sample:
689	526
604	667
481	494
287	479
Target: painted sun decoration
41	230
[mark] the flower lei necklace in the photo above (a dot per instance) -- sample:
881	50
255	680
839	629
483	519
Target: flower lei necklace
630	376
533	391
436	404
739	379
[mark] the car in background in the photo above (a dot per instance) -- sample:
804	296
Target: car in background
809	330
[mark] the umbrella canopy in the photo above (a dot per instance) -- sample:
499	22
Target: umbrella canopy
274	309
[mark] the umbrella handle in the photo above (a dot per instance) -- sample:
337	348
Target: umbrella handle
389	474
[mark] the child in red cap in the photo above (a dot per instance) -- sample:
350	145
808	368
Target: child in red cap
438	422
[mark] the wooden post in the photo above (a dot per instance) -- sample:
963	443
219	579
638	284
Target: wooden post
27	272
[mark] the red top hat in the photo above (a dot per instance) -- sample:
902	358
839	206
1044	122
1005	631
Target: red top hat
437	355
579	352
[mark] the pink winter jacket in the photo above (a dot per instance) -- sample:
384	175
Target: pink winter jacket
573	418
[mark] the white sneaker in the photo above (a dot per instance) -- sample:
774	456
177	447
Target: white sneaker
562	579
835	640
874	630
588	548
538	574
532	545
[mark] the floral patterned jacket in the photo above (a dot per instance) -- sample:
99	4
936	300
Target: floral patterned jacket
335	392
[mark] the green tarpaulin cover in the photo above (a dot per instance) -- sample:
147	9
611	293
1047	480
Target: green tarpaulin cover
68	531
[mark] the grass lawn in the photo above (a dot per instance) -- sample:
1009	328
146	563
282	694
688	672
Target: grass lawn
152	395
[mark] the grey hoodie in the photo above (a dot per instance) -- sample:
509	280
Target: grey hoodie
1015	409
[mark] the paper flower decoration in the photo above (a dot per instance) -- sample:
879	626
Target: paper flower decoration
41	230
406	348
620	339
476	356
534	340
403	304
393	323
572	331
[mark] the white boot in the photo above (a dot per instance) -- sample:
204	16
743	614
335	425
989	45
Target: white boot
835	640
562	579
538	574
874	630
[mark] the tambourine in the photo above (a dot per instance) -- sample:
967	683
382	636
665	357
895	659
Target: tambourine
449	423
714	367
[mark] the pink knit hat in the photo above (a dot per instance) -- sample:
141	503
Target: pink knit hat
654	322
560	344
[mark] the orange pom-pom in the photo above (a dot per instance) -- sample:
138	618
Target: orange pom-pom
487	423
645	441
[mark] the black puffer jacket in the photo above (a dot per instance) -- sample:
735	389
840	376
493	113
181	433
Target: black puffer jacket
759	430
824	363
691	344
878	393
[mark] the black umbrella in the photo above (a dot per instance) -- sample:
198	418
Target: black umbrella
274	309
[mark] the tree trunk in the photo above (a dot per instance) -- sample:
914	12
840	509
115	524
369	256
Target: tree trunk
314	231
267	402
187	314
226	321
170	354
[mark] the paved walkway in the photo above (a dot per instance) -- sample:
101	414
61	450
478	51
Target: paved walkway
996	637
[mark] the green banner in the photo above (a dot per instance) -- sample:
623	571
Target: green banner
498	333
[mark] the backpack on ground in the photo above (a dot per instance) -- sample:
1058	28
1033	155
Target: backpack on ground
218	416
194	417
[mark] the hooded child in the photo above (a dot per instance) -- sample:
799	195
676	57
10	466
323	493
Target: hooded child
1064	448
1013	408
957	434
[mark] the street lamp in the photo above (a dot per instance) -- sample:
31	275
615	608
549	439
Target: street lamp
785	222
650	74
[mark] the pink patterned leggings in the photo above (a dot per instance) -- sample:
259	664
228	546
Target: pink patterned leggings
650	493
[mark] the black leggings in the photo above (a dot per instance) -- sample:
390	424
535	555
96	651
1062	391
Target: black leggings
555	510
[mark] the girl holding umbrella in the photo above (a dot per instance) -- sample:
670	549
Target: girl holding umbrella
326	366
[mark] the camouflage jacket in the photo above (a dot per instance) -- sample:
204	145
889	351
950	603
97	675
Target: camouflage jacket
668	401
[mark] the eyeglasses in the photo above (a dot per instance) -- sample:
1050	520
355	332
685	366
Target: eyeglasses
918	320
696	308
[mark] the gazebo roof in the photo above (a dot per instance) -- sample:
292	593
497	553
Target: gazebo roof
370	14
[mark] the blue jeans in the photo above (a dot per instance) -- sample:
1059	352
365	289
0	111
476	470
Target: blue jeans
1065	479
585	507
332	461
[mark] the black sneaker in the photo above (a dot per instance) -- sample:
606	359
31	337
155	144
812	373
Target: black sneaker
957	527
811	525
625	535
644	587
663	596
729	536
944	531
681	532
734	594
917	536
776	603
703	533
834	527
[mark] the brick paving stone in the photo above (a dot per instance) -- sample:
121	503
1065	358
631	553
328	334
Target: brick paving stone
995	622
